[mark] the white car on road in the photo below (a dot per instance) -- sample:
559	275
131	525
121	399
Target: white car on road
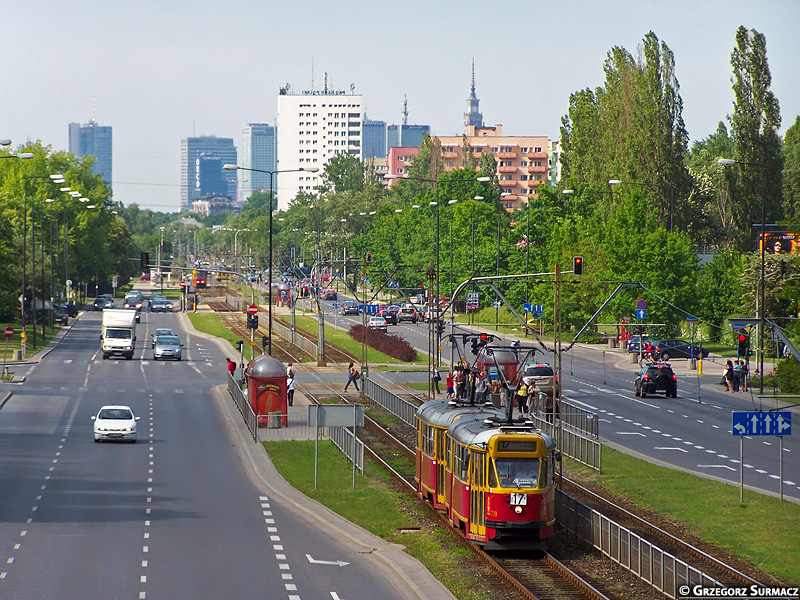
115	422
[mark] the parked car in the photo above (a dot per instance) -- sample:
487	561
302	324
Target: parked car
633	343
115	422
656	377
349	307
167	346
60	314
377	323
407	313
159	332
676	348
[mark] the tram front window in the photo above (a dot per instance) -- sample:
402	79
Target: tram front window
517	472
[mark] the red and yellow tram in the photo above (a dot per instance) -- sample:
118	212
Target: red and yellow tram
199	278
493	479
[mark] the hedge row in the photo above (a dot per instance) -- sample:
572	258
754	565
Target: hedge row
393	345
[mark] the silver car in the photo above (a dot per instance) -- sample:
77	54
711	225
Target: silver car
159	332
167	346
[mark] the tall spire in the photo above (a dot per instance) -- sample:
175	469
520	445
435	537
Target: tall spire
405	109
473	76
473	115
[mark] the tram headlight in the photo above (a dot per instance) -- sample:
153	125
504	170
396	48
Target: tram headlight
518	510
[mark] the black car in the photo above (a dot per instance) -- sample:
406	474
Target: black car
389	315
656	377
676	348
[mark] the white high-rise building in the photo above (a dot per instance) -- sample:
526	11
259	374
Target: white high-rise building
314	126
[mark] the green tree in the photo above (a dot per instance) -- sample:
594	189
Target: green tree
754	129
791	173
631	129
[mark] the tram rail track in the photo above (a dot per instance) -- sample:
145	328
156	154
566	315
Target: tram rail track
538	580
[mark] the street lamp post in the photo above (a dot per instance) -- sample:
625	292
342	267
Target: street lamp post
271	210
52	179
762	243
435	204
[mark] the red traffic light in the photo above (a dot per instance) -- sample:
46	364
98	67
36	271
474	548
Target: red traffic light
484	336
742	338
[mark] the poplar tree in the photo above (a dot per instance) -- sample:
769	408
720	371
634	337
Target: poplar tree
754	129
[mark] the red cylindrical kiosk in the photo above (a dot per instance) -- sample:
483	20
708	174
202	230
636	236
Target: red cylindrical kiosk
266	390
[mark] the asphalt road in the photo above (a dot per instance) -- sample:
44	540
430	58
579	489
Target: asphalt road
172	516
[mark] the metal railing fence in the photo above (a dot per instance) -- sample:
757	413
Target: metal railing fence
235	390
660	569
398	406
348	445
572	444
287	334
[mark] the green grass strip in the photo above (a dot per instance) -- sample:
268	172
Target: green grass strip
763	531
433	545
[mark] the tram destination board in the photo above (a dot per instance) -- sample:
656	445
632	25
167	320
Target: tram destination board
756	423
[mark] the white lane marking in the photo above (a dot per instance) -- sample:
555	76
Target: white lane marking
716	467
668	448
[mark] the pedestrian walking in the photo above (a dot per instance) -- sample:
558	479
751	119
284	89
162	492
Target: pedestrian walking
290	371
437	377
231	366
352	377
290	390
448	382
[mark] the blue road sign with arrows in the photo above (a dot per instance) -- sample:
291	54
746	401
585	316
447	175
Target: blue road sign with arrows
641	313
761	423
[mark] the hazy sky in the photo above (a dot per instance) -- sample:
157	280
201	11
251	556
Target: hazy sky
160	71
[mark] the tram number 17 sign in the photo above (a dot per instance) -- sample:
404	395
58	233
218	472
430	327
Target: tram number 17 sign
756	423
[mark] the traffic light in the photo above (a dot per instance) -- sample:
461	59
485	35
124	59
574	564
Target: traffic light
744	342
440	327
369	257
144	260
474	346
577	265
252	321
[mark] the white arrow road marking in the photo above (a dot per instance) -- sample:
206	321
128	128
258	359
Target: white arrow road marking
314	561
630	433
665	448
715	467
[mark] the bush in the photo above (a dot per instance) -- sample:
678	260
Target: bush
392	345
787	372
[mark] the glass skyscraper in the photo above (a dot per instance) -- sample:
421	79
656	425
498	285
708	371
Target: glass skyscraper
200	157
259	151
92	139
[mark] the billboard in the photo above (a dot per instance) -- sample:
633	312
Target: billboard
779	242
